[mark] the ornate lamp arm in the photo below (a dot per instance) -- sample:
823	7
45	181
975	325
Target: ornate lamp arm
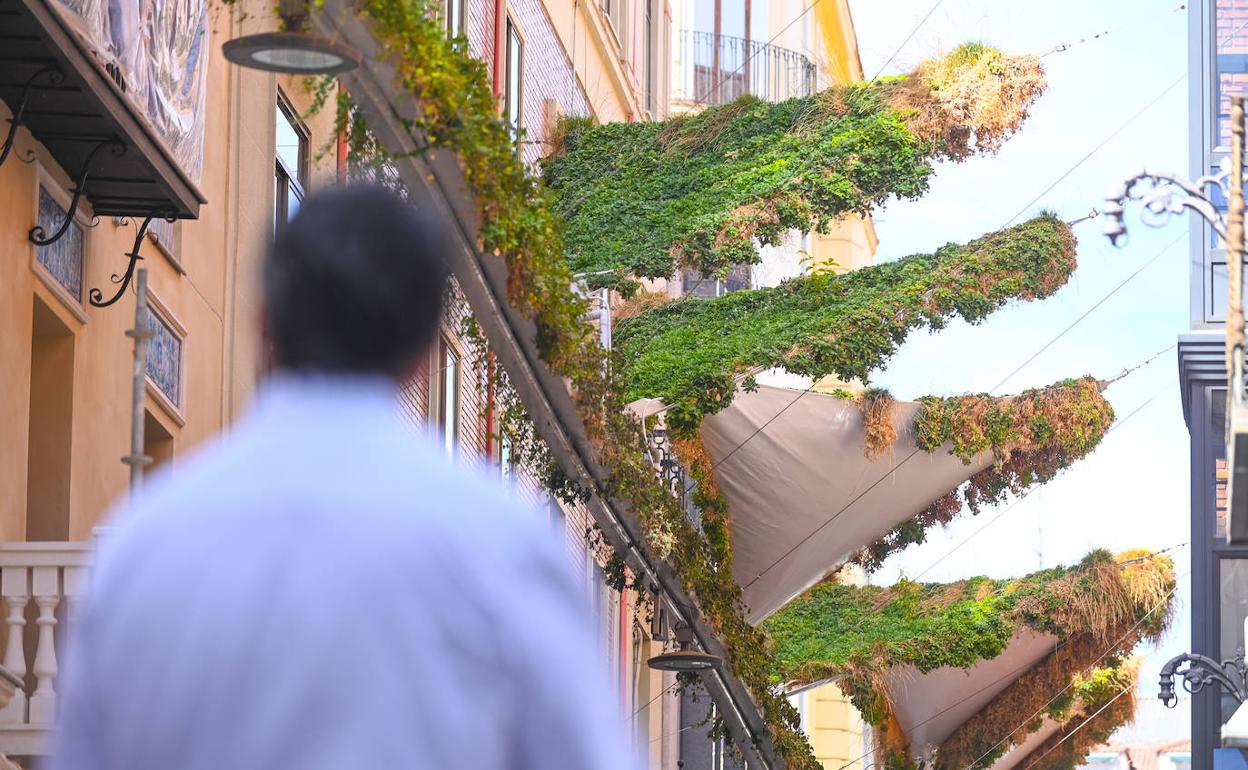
1163	196
1201	672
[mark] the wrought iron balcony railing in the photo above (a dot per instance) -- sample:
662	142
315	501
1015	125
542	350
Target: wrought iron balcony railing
718	72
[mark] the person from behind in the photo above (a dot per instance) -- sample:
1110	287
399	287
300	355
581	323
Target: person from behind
320	588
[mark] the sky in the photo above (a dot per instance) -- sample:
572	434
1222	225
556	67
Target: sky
1134	490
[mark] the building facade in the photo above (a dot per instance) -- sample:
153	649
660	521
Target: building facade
229	177
1218	59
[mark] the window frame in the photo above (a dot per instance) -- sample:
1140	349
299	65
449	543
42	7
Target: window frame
77	306
438	393
175	409
513	117
286	179
456	12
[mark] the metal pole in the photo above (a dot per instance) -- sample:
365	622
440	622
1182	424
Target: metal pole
1235	238
140	334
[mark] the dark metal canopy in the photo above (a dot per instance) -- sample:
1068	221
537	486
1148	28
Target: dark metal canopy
57	89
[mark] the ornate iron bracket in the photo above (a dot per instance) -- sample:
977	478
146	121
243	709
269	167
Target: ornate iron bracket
1201	672
96	297
37	235
55	77
1163	196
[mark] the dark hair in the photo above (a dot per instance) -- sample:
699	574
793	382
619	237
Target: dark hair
355	283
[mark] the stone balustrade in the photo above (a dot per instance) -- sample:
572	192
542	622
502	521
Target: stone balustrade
42	584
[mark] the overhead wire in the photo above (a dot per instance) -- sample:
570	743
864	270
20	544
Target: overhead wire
1023	496
1095	36
989	240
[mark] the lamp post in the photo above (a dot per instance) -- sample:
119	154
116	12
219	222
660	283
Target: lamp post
1165	195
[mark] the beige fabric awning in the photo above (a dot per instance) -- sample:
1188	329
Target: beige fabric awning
803	497
929	707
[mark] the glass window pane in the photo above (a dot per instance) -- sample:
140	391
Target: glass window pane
1233	597
450	397
289	144
513	95
1231	45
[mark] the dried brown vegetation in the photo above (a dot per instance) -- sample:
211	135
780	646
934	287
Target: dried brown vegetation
971	100
879	433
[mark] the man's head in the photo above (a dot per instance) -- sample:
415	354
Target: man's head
354	284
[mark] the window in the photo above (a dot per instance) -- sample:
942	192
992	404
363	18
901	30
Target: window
614	10
164	357
291	181
696	285
63	259
641	700
512	97
646	76
444	393
454	18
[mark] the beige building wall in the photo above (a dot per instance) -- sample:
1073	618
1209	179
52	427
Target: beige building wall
604	40
64	464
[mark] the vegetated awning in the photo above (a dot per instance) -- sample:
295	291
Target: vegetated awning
79	113
929	707
964	674
801	493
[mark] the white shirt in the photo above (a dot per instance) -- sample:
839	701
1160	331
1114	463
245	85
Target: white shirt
321	588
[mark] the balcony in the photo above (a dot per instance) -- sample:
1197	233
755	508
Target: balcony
42	584
713	72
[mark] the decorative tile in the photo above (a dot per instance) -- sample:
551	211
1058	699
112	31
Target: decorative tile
63	259
164	357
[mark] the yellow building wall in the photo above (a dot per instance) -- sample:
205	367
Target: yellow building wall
835	729
850	242
215	301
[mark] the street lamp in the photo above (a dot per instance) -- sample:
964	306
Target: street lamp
292	50
684	659
1163	196
1201	672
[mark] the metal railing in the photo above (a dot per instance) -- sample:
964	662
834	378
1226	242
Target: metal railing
718	72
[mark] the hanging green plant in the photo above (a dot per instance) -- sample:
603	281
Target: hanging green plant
855	634
1032	437
691	352
699	191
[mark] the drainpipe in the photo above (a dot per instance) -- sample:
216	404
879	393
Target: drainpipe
499	26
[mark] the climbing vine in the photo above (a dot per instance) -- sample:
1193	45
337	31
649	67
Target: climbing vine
690	353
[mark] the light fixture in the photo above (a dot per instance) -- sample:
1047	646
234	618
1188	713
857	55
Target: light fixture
292	50
684	659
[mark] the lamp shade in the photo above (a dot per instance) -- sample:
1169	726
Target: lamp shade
295	53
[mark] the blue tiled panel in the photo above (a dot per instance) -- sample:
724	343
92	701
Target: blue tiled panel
164	358
64	258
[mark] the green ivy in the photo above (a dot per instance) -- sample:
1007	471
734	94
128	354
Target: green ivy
1031	436
700	191
642	197
688	353
854	634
